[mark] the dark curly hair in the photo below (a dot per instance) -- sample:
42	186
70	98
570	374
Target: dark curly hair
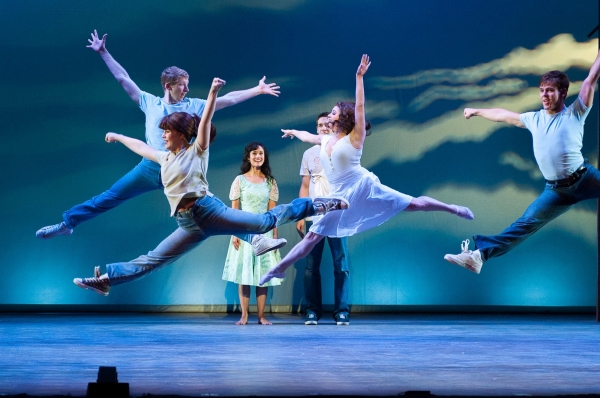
265	168
185	124
345	121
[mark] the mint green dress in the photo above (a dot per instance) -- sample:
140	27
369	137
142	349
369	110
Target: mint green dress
242	266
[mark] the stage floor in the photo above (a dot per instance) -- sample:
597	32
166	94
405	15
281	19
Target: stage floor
378	354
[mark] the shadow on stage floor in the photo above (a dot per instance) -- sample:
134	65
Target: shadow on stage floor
205	354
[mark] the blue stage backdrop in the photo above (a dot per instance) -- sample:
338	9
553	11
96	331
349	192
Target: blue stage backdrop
430	60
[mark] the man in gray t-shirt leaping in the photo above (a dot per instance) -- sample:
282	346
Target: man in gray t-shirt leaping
145	177
557	133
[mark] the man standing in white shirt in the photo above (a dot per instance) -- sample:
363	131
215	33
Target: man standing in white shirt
314	183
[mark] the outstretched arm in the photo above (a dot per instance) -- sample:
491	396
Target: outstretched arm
495	115
137	146
589	84
99	45
357	136
303	136
209	111
235	97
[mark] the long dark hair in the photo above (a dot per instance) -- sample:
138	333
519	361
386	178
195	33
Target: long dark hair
185	124
265	168
345	122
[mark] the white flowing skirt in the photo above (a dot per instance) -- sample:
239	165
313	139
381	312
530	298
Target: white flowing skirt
371	204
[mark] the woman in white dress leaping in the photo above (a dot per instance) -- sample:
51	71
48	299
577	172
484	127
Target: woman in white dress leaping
371	203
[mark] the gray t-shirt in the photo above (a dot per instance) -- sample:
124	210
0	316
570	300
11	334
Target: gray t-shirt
557	139
183	175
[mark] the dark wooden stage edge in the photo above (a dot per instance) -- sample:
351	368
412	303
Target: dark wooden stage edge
295	309
385	354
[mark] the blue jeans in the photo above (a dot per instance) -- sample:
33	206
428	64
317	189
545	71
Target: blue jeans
209	216
341	275
144	177
550	204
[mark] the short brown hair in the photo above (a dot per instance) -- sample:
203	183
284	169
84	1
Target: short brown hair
556	78
172	75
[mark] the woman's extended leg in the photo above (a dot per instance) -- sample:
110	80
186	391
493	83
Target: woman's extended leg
298	252
425	203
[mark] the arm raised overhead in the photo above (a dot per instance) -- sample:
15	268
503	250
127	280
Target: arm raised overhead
209	110
99	45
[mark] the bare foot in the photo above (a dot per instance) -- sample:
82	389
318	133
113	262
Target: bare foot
243	320
272	273
264	321
464	212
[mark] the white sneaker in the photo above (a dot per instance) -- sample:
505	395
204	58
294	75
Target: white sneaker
261	244
53	230
468	259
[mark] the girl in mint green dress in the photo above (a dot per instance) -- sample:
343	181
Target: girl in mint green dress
254	190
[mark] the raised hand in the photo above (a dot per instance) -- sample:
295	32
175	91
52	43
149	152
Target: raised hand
469	112
268	88
96	44
111	137
288	133
217	84
364	65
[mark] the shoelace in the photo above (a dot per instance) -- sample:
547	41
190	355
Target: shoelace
91	280
465	246
330	204
53	228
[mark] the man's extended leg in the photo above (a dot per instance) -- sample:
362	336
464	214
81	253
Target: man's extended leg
143	178
550	204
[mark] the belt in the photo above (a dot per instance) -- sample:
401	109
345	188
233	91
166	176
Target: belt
192	201
570	180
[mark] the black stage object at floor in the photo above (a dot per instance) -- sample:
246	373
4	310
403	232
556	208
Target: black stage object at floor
107	385
378	354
